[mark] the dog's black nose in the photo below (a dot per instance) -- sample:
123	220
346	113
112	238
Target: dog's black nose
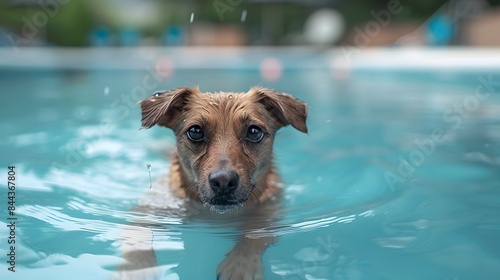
223	181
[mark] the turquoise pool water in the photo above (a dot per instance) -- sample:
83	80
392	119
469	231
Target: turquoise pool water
399	177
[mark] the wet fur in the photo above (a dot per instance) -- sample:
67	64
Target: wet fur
225	119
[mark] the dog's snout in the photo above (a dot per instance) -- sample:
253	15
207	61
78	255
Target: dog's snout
223	181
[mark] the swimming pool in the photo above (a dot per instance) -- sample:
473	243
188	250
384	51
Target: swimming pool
397	179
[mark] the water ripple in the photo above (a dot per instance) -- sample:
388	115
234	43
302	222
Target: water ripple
308	225
55	217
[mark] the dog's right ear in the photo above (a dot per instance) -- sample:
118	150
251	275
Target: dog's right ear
163	108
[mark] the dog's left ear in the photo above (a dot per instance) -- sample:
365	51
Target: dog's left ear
284	107
163	108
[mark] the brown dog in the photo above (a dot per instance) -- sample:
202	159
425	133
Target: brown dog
224	159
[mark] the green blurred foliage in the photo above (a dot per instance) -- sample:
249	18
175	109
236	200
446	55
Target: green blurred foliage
65	24
71	25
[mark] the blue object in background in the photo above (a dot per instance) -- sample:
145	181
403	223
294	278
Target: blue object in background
100	37
440	30
174	36
129	37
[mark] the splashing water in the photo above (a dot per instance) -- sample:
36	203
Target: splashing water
243	15
149	171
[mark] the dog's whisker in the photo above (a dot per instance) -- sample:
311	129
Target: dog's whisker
255	193
193	188
252	197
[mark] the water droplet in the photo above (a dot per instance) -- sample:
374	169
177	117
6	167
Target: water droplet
192	17
243	15
149	171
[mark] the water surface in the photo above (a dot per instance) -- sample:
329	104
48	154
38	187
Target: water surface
398	177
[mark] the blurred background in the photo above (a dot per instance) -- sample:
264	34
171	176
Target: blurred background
399	172
128	23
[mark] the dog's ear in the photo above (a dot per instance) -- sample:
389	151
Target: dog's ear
163	108
284	107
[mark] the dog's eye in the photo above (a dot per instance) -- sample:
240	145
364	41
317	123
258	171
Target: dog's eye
195	133
254	133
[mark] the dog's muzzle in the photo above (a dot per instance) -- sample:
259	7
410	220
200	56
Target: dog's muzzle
224	183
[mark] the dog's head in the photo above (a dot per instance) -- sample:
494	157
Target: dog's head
224	140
